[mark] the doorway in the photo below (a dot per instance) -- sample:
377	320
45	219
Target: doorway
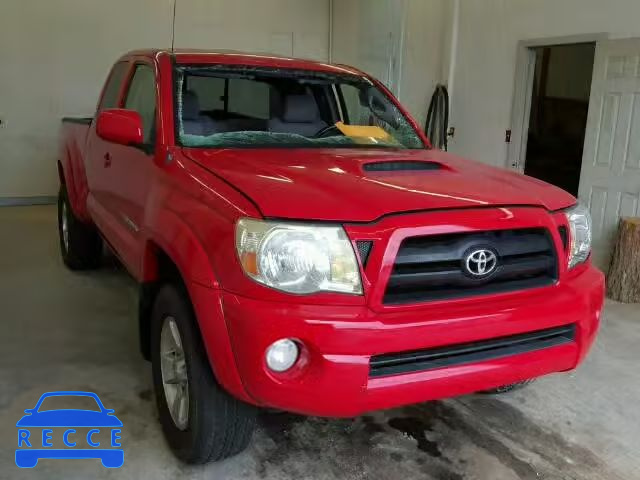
558	116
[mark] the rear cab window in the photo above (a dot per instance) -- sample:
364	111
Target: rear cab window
222	106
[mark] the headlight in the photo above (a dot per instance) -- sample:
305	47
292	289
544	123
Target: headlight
579	220
298	258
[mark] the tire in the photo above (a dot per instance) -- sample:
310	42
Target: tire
81	245
509	388
217	425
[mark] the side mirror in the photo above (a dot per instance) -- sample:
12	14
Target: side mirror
29	410
121	126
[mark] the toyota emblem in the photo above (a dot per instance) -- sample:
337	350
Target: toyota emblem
481	262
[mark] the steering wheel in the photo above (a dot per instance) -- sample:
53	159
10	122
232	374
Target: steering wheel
323	132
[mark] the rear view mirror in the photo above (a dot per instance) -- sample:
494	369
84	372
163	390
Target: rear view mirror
121	126
381	106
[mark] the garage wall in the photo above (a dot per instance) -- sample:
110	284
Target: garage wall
55	54
286	27
404	35
486	59
422	62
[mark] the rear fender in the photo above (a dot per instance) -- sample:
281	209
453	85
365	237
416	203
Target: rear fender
72	176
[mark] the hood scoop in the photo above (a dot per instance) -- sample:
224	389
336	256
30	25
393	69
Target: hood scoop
401	166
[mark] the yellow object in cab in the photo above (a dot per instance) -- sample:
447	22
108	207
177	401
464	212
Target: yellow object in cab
364	132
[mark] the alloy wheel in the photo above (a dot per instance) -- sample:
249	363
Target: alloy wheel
174	373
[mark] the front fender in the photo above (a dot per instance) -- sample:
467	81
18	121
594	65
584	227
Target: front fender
179	242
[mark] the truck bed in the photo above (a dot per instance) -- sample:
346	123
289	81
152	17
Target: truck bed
79	120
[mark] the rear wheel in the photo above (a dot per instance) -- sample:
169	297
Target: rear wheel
80	243
200	420
509	388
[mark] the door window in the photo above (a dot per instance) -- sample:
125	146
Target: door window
111	90
141	97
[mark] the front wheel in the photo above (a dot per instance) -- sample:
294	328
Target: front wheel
200	420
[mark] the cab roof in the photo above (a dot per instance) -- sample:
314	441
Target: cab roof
231	57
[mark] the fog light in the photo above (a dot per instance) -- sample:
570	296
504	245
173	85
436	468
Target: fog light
281	355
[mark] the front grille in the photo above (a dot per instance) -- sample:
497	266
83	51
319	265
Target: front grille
564	236
433	267
423	360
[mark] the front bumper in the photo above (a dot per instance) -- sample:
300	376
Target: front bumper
332	378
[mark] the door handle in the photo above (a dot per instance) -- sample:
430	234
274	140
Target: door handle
107	160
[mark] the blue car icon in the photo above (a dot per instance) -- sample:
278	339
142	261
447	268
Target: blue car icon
29	451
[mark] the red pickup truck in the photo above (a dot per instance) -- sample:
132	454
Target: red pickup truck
299	245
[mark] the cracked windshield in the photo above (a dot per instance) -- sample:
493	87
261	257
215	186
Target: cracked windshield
253	107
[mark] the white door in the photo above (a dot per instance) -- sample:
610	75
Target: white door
610	176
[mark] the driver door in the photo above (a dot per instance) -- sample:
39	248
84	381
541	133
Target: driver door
132	168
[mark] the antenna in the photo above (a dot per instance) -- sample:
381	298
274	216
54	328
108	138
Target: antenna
173	26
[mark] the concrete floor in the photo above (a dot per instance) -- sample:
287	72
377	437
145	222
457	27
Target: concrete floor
69	331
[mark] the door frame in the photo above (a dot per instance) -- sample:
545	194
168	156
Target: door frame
523	90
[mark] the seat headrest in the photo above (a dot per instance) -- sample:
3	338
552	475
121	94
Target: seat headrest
300	109
190	105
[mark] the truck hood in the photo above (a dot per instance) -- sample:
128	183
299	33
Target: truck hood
360	185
